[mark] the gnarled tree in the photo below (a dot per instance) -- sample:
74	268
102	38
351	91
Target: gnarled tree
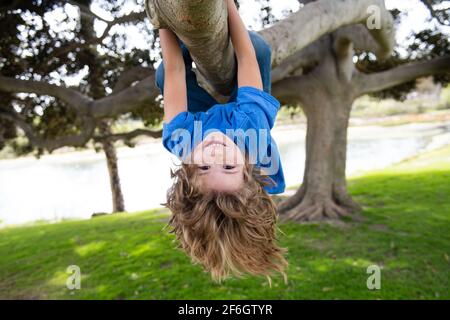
313	59
313	52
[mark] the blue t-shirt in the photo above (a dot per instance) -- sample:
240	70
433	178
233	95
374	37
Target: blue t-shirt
247	121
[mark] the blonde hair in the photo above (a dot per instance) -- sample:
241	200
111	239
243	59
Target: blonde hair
226	232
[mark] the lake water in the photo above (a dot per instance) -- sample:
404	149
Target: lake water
75	185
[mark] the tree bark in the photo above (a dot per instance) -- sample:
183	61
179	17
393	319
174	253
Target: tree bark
367	83
203	28
113	169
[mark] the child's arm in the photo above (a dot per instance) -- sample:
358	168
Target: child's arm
248	68
175	92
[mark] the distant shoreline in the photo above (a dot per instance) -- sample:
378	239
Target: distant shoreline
281	132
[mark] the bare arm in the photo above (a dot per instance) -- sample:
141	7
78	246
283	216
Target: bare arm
248	68
175	92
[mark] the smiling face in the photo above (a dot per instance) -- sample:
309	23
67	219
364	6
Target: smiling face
220	163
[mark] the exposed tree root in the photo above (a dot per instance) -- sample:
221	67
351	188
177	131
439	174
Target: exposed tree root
316	210
345	200
292	201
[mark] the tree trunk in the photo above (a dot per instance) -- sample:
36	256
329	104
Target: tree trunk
113	170
326	97
340	193
323	193
97	91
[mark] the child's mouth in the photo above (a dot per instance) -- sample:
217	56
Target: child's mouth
214	143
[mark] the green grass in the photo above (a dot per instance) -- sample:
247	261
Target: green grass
404	228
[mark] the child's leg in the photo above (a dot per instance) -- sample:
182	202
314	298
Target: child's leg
264	56
198	98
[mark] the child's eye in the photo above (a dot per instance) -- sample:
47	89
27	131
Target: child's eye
204	168
227	167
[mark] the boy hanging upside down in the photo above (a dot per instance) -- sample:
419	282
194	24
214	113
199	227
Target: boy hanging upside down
222	213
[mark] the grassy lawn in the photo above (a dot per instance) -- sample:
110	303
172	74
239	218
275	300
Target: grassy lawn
404	228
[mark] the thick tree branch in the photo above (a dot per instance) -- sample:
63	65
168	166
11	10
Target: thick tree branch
203	28
76	100
294	89
312	54
78	140
142	93
367	83
361	38
343	50
131	75
307	57
203	24
324	16
128	136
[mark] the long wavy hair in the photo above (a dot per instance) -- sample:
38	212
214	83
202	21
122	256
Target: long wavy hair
228	233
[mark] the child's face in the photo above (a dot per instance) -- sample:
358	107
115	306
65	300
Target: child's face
220	163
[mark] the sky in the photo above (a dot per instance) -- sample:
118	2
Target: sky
416	18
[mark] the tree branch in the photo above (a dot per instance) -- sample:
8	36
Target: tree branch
435	13
76	45
324	16
128	136
344	51
294	89
306	57
142	93
78	140
131	75
200	25
73	98
313	53
85	11
361	38
367	83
